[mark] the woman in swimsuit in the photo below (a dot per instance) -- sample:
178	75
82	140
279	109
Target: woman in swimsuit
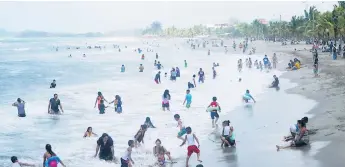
49	156
98	100
89	132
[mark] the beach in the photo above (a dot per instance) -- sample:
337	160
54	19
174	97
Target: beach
259	127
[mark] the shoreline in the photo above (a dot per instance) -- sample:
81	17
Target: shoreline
328	121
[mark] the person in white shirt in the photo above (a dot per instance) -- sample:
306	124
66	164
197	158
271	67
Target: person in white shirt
192	148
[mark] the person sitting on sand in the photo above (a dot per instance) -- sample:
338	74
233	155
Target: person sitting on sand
301	139
275	83
294	129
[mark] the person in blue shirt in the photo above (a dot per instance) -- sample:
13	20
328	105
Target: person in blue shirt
188	99
247	96
266	61
123	68
53	161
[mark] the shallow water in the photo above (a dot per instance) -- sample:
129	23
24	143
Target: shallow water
28	75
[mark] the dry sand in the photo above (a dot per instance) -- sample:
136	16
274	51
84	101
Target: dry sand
328	90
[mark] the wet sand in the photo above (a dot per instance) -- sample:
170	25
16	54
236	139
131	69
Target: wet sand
328	90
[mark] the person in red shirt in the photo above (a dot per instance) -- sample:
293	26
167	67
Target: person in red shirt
214	106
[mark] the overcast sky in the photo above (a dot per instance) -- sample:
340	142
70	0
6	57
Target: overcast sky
109	16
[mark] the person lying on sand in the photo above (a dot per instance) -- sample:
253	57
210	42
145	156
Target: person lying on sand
301	139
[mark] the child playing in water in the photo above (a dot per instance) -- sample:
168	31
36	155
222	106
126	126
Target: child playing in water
247	96
148	123
89	132
102	107
139	137
180	126
16	163
192	148
185	63
188	99
117	104
165	100
260	66
214	72
214	113
126	160
159	151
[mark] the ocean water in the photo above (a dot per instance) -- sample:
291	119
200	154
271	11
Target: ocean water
29	65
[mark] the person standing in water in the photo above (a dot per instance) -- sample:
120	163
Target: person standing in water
54	105
192	83
148	123
123	68
265	59
141	68
16	163
105	147
159	65
209	52
201	75
117	104
214	72
53	84
156	55
126	160
180	126
158	78
173	74
50	159
214	113
185	64
274	60
102	107
239	65
165	102
178	74
89	133
98	100
192	148
247	96
20	104
139	137
188	99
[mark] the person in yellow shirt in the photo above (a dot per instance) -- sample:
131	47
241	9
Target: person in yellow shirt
297	65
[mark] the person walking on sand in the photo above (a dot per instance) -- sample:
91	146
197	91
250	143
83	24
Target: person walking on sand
192	148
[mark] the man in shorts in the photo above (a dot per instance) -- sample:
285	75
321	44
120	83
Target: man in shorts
54	105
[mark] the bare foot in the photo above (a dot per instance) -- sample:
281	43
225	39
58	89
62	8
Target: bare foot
277	147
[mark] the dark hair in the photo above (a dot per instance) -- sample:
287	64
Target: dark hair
159	141
188	90
99	93
194	76
303	124
189	129
176	116
14	159
305	119
214	98
117	97
88	128
19	100
166	93
143	126
49	150
104	135
299	121
200	165
55	94
227	122
130	142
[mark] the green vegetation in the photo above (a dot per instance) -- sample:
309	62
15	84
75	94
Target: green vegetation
313	24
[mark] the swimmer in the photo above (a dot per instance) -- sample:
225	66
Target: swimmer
117	104
192	148
185	64
84	55
250	63
20	104
209	52
155	63
89	132
159	151
158	78
126	160
188	99
214	113
165	102
50	159
247	96
239	79
70	55
105	147
53	84
123	68
141	68
54	104
165	75
239	65
260	66
234	46
180	126
156	55
148	123
98	100
201	75
139	137
178	74
16	163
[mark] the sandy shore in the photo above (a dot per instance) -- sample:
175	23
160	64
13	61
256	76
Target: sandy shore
328	90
